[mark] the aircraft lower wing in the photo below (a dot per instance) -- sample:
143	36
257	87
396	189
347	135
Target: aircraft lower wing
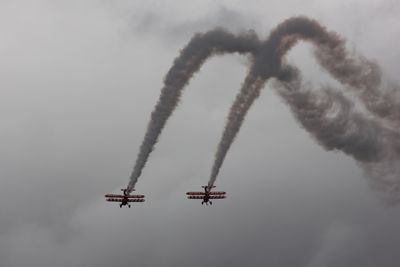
202	193
195	197
136	200
129	200
218	197
210	197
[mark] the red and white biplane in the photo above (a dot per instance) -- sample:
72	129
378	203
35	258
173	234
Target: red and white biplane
124	199
206	195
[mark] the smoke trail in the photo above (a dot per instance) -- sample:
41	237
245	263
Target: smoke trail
250	90
333	121
267	64
360	75
365	78
191	58
331	118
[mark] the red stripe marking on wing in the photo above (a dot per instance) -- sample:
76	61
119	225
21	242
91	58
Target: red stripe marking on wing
114	199
218	193
217	197
113	195
195	197
136	196
136	200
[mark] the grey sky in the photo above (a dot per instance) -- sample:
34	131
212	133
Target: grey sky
78	81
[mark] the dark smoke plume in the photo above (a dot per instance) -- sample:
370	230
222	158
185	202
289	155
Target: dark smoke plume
267	64
372	142
333	121
364	77
371	137
191	58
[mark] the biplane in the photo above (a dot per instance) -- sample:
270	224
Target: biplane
206	195
124	199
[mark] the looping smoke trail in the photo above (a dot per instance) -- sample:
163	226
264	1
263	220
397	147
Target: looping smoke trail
328	115
365	79
267	64
331	119
191	58
374	142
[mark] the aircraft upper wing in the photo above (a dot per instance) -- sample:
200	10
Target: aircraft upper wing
218	193
210	197
122	196
113	195
136	196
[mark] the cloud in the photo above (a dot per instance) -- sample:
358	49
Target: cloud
178	28
77	77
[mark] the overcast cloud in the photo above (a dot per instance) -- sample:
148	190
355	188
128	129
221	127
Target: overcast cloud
78	81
